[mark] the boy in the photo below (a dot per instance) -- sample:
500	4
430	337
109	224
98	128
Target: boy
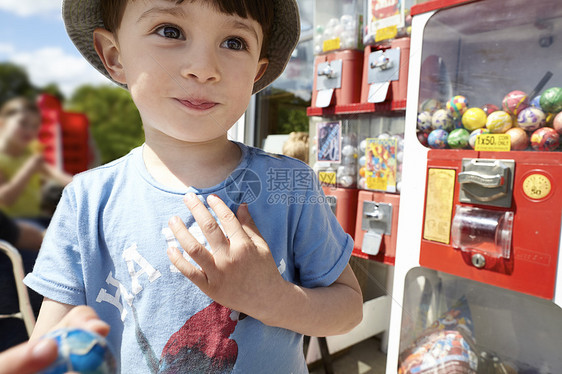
239	295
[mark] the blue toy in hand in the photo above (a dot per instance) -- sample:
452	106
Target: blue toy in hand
81	351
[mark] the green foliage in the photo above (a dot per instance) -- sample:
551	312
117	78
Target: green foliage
14	81
115	122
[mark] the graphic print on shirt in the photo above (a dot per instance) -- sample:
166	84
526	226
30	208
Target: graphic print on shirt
202	344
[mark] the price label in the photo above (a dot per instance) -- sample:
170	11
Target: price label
386	33
493	142
376	183
331	45
327	178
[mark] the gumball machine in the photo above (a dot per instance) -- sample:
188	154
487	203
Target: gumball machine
381	148
339	55
477	285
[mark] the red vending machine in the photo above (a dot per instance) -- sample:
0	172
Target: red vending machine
477	286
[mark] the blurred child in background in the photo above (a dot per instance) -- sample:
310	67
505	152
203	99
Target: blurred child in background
296	146
23	170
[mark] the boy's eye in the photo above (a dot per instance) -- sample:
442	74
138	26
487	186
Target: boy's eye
236	44
169	32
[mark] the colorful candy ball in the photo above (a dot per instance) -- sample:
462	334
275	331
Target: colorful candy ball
514	102
441	120
549	121
437	139
458	138
499	122
457	106
551	100
81	351
424	121
536	102
557	123
430	105
490	108
474	134
545	139
519	138
422	137
474	118
531	118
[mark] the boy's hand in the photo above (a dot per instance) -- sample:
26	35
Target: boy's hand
240	273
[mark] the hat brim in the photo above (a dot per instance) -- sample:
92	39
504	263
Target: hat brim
82	17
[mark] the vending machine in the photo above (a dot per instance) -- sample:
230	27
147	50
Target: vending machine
477	286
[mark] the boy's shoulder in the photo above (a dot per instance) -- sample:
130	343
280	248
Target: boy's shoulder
105	172
275	160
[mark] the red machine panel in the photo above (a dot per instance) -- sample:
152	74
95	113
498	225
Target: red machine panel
337	78
530	266
344	206
377	226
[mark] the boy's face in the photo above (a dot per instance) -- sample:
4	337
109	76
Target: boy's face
190	69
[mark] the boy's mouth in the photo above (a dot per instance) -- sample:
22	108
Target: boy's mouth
197	104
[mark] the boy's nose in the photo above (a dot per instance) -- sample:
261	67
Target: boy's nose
201	64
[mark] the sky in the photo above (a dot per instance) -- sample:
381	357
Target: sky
32	35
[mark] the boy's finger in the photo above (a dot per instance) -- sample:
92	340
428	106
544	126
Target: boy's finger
230	223
84	317
206	222
29	357
191	272
249	226
190	245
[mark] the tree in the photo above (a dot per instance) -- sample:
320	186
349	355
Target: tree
114	120
14	81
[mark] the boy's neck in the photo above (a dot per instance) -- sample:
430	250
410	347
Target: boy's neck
199	165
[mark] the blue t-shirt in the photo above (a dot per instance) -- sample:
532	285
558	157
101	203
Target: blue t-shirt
106	247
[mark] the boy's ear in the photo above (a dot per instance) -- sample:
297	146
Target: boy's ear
262	67
108	50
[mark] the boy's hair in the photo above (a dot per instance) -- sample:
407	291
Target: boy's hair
112	13
297	146
279	20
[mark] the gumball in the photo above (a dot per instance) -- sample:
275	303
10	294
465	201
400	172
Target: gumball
457	106
545	139
551	100
362	172
536	102
349	150
422	138
557	123
361	183
384	135
437	139
430	105
424	121
499	122
549	121
362	160
474	134
531	118
490	108
363	145
519	138
514	102
81	351
458	138
346	181
441	120
474	118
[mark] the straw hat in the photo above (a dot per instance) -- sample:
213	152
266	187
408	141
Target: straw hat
81	17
